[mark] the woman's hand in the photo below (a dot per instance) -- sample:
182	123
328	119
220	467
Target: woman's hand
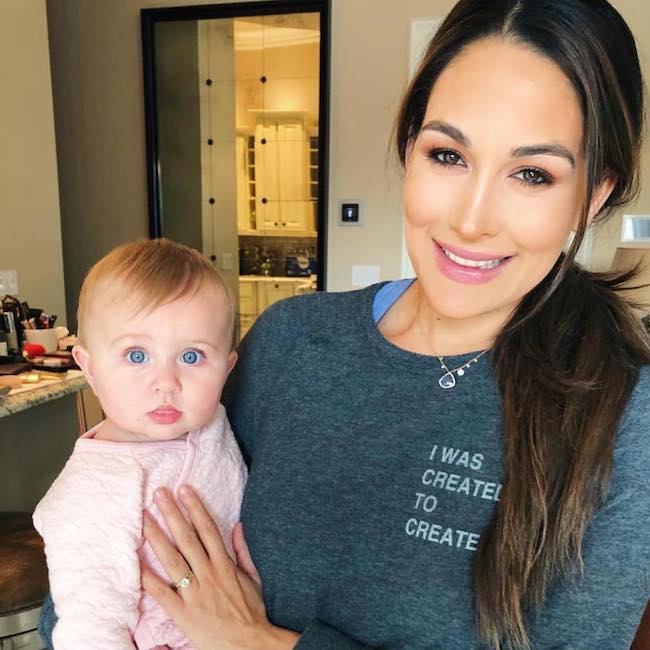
222	605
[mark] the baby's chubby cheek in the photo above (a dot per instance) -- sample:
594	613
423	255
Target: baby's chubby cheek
122	405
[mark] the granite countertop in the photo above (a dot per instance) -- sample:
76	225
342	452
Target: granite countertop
29	395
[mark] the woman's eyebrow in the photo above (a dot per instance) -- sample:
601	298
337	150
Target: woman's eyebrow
446	128
544	150
519	152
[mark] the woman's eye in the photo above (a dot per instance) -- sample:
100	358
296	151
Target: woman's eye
446	157
192	357
136	357
534	176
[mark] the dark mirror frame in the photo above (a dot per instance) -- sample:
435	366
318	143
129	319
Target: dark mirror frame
149	18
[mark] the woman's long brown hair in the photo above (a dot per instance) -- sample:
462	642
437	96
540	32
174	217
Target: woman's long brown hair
569	357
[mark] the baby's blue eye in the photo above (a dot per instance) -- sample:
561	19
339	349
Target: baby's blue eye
191	357
136	356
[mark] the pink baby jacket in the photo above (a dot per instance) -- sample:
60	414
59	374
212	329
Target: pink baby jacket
91	521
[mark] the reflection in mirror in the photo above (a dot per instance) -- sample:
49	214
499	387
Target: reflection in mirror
239	120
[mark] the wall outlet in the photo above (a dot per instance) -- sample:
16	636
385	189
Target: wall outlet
8	283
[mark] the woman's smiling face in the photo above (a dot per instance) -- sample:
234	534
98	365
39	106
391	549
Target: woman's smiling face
495	180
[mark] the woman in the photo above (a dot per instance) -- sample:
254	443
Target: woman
459	461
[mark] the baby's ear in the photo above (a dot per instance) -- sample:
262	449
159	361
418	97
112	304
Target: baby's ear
84	361
232	360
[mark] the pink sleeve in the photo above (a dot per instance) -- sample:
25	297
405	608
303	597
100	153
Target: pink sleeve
91	521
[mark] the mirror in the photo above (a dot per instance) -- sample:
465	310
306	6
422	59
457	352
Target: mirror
236	114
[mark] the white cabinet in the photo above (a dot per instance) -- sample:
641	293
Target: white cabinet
248	297
274	178
267	208
293	178
245	170
247	305
270	291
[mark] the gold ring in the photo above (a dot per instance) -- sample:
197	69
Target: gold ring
185	581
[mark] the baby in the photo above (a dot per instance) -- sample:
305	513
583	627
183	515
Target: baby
155	344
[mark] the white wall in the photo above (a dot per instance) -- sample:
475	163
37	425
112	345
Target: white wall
370	64
30	228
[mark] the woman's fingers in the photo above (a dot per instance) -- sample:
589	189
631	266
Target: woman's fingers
160	591
189	552
244	559
206	528
223	606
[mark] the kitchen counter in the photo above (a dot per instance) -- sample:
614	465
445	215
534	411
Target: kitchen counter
280	278
257	292
28	395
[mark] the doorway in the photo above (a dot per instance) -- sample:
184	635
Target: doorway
236	111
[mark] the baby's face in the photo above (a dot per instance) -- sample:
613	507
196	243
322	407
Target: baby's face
160	375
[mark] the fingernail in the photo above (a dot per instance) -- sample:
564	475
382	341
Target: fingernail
185	491
161	495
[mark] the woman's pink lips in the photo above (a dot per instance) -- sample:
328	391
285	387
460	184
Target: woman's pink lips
165	415
466	274
470	255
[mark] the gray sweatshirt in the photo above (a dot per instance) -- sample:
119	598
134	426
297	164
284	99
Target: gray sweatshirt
370	485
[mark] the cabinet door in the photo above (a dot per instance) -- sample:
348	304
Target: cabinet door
270	291
293	182
247	298
266	177
297	216
243	192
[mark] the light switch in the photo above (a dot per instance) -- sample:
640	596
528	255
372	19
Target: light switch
226	261
8	283
350	212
